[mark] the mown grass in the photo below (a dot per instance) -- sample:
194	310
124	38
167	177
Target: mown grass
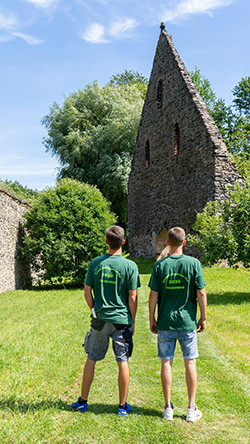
41	358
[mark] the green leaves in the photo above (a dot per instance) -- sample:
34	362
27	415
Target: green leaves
223	230
92	132
66	229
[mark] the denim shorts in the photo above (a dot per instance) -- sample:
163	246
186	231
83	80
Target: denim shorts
96	342
167	343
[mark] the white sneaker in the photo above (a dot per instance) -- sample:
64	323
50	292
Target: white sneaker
193	415
168	413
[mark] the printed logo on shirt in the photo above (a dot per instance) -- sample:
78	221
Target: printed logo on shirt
107	274
175	281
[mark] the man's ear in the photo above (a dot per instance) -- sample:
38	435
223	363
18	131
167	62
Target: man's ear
123	242
106	241
168	243
184	243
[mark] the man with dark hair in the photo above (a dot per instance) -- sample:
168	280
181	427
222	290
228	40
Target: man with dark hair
176	283
114	281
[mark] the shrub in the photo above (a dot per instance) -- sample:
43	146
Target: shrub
66	229
223	230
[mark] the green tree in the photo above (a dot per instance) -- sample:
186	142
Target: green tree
131	78
65	230
241	93
205	88
233	121
93	134
223	230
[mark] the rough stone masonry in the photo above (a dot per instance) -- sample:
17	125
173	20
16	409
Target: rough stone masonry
180	160
14	271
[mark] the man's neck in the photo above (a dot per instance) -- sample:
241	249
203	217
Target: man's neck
176	251
115	252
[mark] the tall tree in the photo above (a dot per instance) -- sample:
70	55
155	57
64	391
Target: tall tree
93	134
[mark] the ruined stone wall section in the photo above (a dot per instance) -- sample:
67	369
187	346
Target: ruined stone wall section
13	271
180	160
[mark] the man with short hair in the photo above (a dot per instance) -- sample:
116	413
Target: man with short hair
114	281
176	283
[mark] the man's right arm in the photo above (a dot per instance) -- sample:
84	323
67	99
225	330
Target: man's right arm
88	296
202	301
133	307
153	297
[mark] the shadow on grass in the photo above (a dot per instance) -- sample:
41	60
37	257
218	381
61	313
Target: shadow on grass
228	298
21	406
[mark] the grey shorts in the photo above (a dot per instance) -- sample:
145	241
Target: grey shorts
96	342
167	342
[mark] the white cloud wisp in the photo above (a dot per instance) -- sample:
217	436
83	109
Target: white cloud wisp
186	8
9	30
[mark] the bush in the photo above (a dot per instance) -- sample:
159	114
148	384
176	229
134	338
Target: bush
65	230
223	230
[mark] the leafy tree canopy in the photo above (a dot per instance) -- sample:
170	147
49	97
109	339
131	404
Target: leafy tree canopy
241	93
131	78
93	134
232	121
65	229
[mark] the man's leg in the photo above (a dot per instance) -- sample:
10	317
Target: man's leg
166	379
123	381
191	380
88	376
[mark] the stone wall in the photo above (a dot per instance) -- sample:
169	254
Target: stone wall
180	160
14	272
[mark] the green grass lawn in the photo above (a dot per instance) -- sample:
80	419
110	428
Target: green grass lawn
41	360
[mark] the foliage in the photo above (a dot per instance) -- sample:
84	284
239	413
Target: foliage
223	230
66	229
242	162
241	93
232	121
131	78
204	87
17	188
93	134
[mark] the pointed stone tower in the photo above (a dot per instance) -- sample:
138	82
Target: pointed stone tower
180	160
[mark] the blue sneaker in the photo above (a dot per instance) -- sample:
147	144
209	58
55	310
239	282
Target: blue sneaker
124	412
80	407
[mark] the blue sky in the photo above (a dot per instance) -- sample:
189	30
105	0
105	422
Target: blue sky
51	48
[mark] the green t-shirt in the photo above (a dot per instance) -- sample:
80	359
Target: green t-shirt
111	277
176	279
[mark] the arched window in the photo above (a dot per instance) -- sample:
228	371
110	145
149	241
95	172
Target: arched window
159	94
147	153
162	249
176	139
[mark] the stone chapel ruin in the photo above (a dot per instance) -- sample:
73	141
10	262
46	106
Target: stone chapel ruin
180	160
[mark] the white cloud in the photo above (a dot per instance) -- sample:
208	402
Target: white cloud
31	40
9	25
6	21
44	4
119	29
185	8
95	34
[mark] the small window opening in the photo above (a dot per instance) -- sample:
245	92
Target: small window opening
159	94
177	144
147	153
